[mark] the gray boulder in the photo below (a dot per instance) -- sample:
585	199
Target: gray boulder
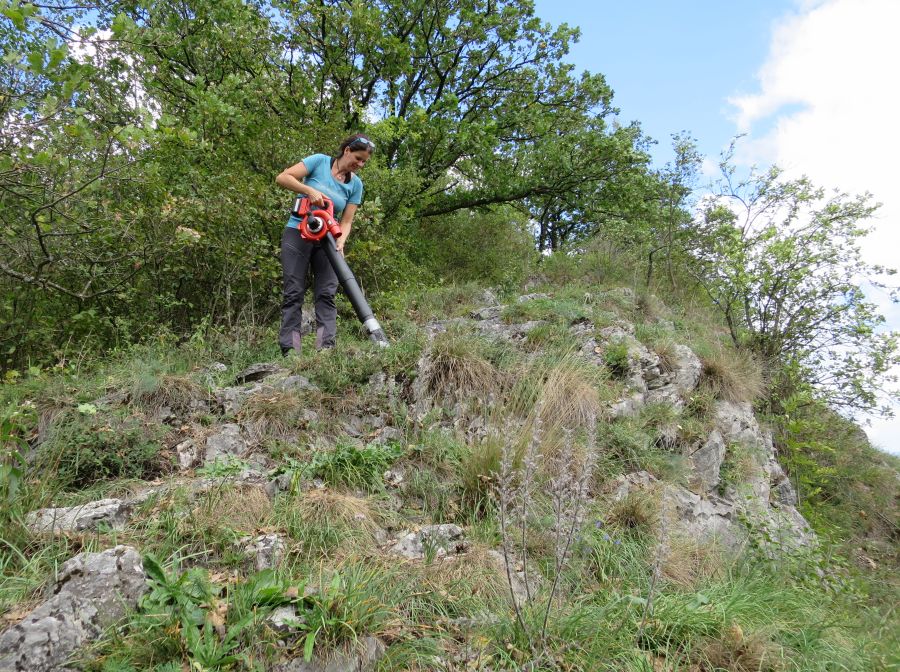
113	513
706	462
439	540
93	591
266	550
256	372
226	442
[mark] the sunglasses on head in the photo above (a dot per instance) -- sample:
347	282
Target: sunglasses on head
362	143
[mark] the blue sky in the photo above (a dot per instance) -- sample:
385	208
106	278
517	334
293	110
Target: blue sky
809	82
672	65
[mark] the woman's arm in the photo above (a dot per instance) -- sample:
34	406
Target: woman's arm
292	180
346	225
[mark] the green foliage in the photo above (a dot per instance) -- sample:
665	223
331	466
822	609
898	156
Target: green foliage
565	311
350	605
223	467
492	247
847	489
186	617
617	359
343	370
781	262
147	199
354	466
12	459
85	448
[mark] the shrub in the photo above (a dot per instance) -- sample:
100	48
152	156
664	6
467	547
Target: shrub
616	359
84	449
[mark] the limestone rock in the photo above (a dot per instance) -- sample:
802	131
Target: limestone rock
232	399
266	550
285	619
680	381
113	513
737	423
295	383
525	298
256	372
93	591
487	313
629	407
186	451
441	540
227	441
706	461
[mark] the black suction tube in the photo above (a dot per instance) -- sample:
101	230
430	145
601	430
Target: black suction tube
353	291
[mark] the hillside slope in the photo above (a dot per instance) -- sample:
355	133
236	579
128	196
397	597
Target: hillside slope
572	479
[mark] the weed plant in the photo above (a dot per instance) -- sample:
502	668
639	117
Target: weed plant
353	466
85	447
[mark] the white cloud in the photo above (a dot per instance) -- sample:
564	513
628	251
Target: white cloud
826	107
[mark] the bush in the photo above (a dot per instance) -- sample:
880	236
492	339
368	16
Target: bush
84	449
616	359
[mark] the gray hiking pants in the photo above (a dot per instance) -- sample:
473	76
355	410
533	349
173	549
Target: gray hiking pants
296	257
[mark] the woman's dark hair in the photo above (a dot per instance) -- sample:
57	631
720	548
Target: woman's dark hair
355	142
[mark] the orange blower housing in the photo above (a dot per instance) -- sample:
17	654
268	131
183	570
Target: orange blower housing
315	223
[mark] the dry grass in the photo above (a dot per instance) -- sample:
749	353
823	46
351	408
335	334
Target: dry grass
175	392
239	508
736	651
473	575
329	523
688	562
275	414
458	370
563	395
333	507
665	350
638	510
732	375
569	397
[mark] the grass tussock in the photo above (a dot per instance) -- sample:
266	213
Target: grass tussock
244	509
328	523
477	473
178	393
465	585
688	562
731	375
274	415
458	368
638	511
736	651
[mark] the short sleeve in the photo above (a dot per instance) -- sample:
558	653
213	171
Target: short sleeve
313	162
356	195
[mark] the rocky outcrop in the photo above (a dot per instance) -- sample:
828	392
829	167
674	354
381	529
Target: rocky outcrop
266	551
112	514
93	591
435	541
713	518
224	443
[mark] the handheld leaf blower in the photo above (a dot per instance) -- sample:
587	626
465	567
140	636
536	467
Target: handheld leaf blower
319	226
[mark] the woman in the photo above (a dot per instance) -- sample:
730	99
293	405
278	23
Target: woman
318	176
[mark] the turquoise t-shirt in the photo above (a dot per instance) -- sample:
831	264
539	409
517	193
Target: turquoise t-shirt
320	177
